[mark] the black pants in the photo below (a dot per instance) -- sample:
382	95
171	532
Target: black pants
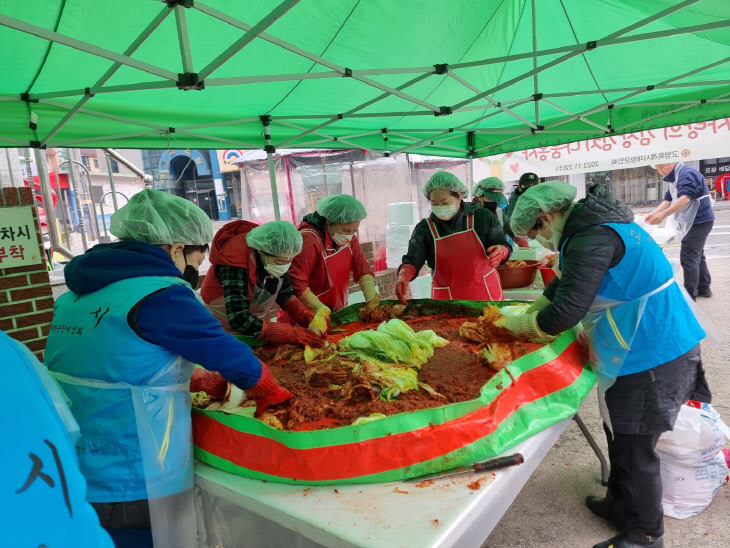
128	523
692	258
635	483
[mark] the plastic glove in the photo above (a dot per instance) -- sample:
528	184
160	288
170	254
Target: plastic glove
497	254
298	311
311	301
283	333
322	321
267	392
523	326
372	299
522	241
538	305
406	273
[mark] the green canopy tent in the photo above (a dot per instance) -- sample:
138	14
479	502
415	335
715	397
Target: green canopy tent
458	78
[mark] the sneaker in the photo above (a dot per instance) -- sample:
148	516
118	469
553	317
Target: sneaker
607	510
626	539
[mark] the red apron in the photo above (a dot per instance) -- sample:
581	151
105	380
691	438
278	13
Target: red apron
462	270
338	265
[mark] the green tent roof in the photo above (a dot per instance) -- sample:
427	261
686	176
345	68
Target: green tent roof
439	77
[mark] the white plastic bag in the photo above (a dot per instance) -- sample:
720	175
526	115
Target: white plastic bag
693	466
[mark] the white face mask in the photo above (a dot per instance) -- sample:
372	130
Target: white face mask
276	270
341	239
444	212
552	243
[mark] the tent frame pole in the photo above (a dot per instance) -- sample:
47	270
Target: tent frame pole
581	118
183	38
105	138
59	38
248	37
534	65
266	121
494	103
78	106
47	194
693	104
572	54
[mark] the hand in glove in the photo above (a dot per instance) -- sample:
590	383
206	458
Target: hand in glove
406	273
298	311
538	305
322	321
497	254
266	392
523	326
522	241
283	333
372	299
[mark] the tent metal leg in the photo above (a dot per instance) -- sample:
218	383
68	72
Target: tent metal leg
45	184
594	446
266	120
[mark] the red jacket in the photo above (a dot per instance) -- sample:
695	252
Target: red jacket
308	269
229	247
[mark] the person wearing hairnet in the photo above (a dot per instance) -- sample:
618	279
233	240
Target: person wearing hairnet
250	276
462	242
527	180
643	339
123	344
331	252
489	193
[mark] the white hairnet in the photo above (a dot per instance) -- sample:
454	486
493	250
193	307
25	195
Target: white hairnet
157	217
444	179
278	238
342	208
548	197
488	185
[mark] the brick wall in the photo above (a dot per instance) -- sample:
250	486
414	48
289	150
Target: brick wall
384	279
26	302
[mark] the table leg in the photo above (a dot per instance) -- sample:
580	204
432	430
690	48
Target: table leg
594	446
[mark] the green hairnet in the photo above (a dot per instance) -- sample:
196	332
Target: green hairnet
278	238
444	179
491	188
548	197
487	185
342	208
157	217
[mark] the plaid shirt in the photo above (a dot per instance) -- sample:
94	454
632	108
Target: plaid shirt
238	299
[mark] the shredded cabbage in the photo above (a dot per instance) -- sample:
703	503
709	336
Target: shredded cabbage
370	418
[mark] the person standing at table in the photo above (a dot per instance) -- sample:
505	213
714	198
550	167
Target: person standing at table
527	180
460	241
123	345
643	340
688	210
250	275
330	253
489	193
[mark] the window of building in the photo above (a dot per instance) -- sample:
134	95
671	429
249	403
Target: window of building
86	160
115	165
95	164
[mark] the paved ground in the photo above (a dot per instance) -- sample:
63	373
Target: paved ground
549	512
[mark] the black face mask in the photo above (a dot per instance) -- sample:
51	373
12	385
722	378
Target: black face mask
190	274
491	206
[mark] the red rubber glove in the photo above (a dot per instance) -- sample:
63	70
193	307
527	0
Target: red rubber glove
522	241
406	273
298	310
266	392
282	333
209	382
497	254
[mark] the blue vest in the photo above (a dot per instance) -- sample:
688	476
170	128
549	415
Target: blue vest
666	328
90	340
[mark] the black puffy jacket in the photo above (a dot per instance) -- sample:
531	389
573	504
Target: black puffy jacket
588	251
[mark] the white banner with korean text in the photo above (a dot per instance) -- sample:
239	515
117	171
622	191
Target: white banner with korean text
696	141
